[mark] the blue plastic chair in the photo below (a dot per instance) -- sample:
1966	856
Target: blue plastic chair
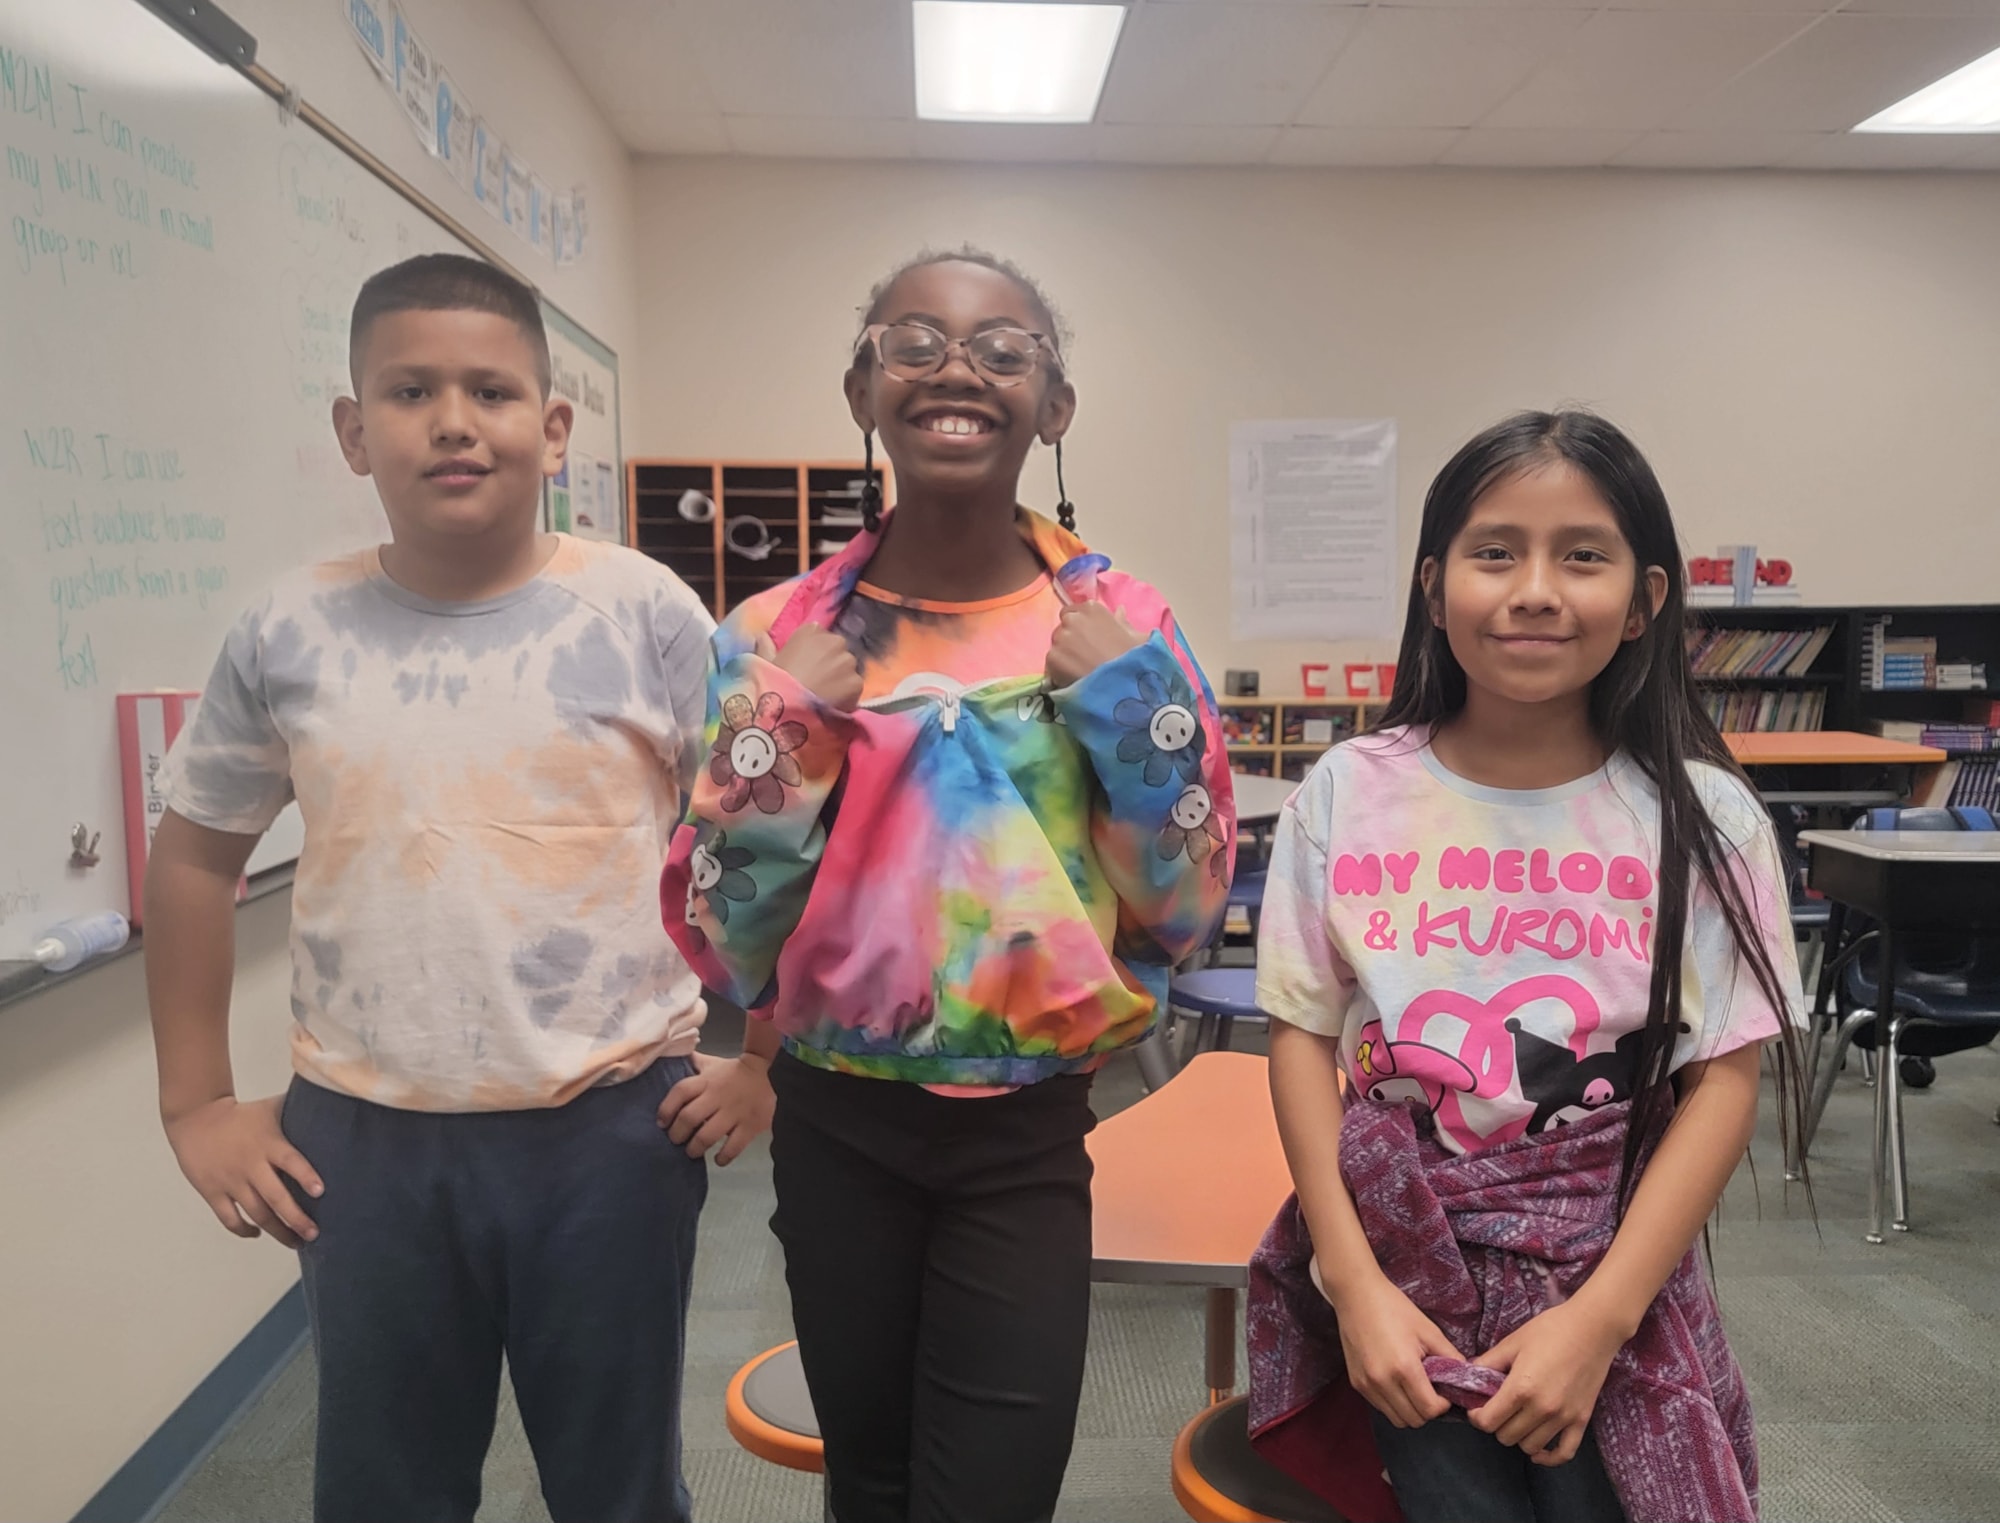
1219	997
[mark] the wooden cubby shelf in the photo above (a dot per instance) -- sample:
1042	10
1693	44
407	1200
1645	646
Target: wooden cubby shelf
1283	737
798	503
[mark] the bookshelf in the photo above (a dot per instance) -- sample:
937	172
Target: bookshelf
1851	678
1283	737
1760	679
808	510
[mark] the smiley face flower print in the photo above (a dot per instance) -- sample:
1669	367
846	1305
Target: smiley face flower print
1191	826
1161	730
716	872
752	761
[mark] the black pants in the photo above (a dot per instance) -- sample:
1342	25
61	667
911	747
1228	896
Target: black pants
1448	1471
938	1253
564	1238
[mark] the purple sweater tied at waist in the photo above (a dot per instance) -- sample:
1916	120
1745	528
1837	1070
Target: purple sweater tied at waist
1482	1242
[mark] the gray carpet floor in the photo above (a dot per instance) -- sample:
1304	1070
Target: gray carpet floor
1874	1371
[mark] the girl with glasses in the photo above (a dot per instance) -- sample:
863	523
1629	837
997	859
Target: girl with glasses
967	803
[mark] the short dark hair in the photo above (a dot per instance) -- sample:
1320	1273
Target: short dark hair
447	283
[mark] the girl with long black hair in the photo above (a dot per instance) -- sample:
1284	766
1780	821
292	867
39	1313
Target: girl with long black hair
1535	921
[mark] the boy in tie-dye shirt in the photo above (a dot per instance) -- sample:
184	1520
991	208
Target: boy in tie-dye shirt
488	732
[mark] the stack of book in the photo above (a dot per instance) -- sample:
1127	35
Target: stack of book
1974	783
1755	652
1909	663
1793	709
1960	738
1906	661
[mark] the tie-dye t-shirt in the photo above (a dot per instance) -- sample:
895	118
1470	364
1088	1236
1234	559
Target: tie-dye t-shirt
1487	951
488	790
909	647
912	647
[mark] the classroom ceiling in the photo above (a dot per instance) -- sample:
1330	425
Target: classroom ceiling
1641	84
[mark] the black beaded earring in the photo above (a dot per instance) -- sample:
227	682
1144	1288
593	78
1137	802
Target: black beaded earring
871	494
1065	509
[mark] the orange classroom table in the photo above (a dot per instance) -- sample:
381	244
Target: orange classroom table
1807	748
1186	1182
1840	749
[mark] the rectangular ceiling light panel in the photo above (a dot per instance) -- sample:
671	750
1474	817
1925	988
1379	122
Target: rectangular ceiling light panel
1967	100
993	62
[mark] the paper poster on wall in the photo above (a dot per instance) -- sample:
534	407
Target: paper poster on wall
516	190
455	119
489	168
368	22
1312	507
415	81
561	518
562	230
540	204
589	494
582	490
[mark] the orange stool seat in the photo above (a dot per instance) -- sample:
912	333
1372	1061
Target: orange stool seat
769	1411
1219	1478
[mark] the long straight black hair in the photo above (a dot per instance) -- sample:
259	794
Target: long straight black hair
1643	704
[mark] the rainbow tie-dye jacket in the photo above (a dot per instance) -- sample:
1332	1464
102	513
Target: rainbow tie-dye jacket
983	886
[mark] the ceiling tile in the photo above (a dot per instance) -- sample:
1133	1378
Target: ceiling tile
668	132
1434	68
1229	65
1801	8
1166	143
1636	69
1922	7
836	58
1537	148
1844	70
1985	156
1518	5
1005	142
1711	150
1878	150
819	137
1372	147
629	57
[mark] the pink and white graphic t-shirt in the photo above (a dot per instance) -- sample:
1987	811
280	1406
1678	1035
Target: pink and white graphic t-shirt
1488	951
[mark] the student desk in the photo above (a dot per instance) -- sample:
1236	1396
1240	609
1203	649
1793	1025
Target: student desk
1258	799
1832	748
1903	878
1187	1180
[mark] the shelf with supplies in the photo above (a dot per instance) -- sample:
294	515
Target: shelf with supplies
1283	737
1852	668
1900	677
731	528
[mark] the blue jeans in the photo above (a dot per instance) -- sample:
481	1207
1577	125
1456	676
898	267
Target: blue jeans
1448	1471
563	1239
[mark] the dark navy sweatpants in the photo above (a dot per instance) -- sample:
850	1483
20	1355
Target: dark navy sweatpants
562	1238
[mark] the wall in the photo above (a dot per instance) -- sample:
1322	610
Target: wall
1807	359
118	1292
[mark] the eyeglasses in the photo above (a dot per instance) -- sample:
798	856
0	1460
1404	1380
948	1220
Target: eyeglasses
912	351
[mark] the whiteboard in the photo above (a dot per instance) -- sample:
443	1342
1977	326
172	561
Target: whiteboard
588	497
180	266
